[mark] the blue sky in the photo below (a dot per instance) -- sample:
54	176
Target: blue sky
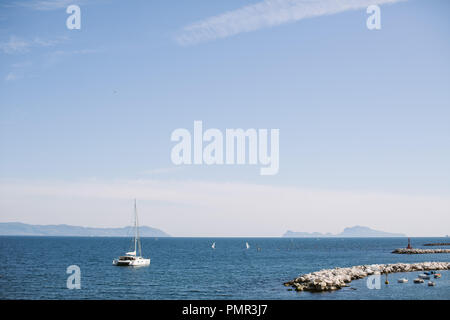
361	112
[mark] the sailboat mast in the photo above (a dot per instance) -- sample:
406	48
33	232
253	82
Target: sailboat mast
137	241
135	225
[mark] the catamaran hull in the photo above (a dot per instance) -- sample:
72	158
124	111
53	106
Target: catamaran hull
135	263
140	263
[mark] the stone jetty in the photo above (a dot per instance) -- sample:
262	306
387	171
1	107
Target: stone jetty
438	244
333	279
419	251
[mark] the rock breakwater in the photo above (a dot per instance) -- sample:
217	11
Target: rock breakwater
337	278
438	244
420	251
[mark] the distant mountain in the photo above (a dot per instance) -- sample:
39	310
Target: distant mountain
356	231
22	229
360	231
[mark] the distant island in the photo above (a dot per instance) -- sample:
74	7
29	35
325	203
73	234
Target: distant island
356	231
63	230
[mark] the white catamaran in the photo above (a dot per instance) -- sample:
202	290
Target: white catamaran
130	258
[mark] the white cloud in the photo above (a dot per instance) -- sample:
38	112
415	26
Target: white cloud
23	64
15	45
265	14
49	5
46	5
192	208
18	71
11	76
55	57
19	45
48	42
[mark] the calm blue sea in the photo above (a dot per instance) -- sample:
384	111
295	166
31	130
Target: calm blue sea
188	268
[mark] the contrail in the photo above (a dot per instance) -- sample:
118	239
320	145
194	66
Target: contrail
267	13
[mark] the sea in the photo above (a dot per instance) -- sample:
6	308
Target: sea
188	268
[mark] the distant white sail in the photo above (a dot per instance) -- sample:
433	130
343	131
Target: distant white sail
213	245
247	245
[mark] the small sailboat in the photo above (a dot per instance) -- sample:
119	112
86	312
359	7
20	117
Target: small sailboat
247	246
402	280
213	245
131	258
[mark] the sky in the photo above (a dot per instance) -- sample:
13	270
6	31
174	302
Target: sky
86	115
